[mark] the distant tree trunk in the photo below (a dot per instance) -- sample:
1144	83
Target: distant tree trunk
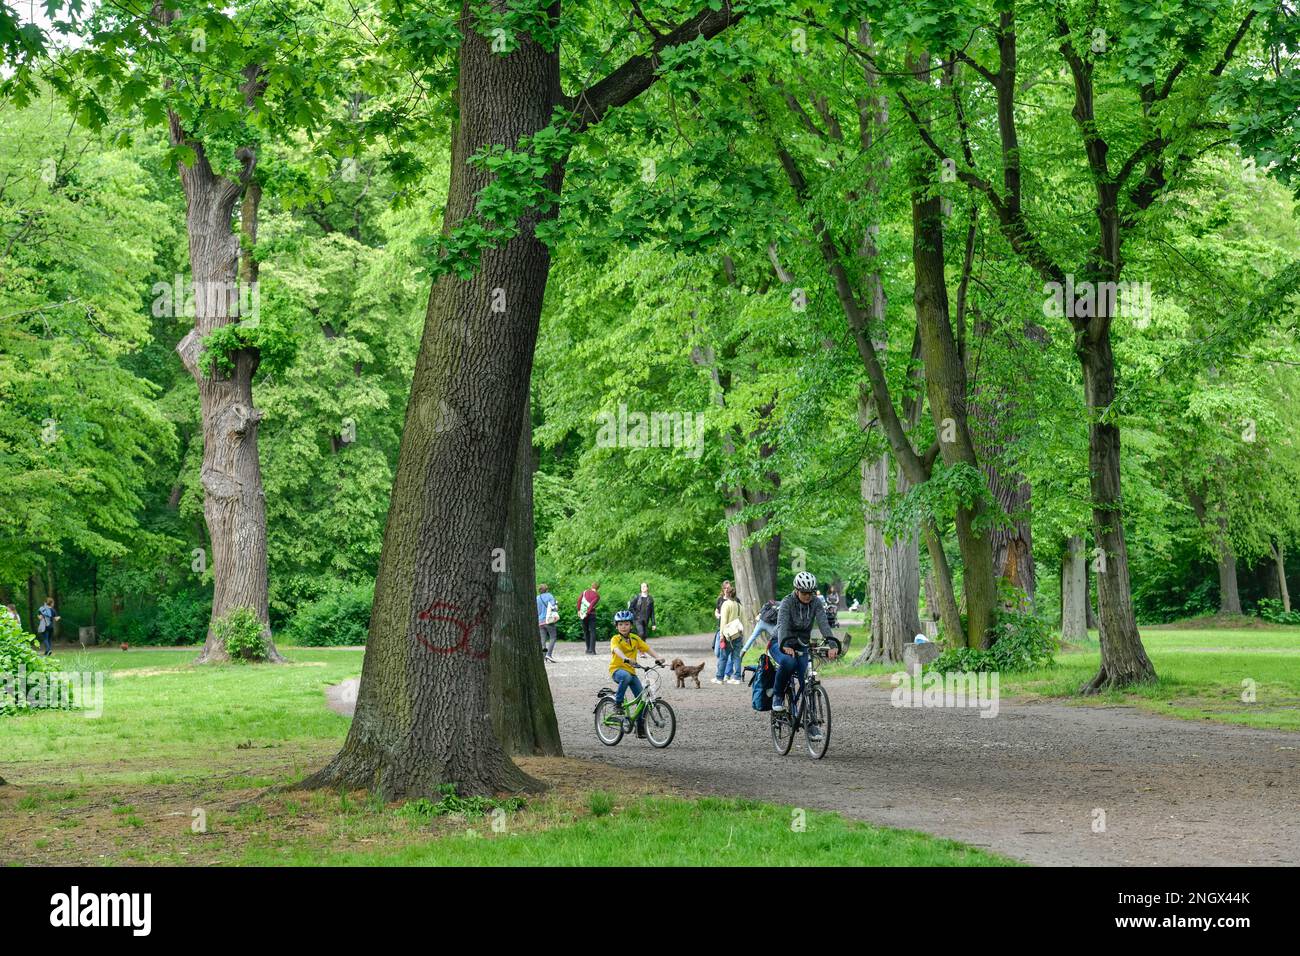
523	713
992	408
31	602
1123	658
94	600
1013	547
1088	606
931	598
234	503
764	572
1229	594
52	590
1074	591
749	567
1280	555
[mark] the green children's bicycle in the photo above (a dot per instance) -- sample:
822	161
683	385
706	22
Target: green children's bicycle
612	722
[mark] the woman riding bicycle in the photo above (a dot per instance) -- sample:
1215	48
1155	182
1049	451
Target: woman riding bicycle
625	647
794	622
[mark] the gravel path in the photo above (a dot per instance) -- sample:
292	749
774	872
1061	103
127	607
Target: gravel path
1025	783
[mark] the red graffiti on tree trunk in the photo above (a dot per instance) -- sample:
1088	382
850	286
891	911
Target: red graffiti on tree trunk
438	611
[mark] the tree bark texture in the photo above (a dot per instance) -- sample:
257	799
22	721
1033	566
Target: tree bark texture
1074	591
423	716
523	713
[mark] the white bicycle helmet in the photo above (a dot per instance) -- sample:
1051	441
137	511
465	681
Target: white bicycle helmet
804	581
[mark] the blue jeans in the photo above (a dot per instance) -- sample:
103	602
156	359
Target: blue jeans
785	666
729	660
46	637
625	681
760	627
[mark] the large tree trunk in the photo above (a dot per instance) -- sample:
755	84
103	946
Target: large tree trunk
1280	556
945	378
1013	546
894	569
423	717
1074	591
745	566
1123	658
234	503
523	714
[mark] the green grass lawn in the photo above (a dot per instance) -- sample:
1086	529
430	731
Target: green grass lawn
1201	674
707	831
176	738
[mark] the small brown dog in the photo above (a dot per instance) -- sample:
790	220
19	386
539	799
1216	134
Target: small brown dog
683	672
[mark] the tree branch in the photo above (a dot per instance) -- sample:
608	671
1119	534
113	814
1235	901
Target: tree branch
637	73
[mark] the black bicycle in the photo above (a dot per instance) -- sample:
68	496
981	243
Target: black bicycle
808	709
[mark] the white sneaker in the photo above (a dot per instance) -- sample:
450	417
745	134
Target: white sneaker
715	681
778	707
735	680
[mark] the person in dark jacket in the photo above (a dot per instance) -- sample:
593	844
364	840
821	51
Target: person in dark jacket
643	612
799	612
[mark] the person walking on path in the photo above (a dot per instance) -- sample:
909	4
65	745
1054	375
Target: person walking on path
548	612
643	612
587	602
730	631
45	627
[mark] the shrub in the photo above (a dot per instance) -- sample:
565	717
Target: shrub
18	654
241	632
1270	609
339	617
183	618
1021	642
180	618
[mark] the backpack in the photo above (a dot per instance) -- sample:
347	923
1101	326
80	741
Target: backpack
762	678
769	612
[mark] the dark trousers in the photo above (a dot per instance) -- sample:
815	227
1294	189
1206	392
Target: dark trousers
589	632
642	628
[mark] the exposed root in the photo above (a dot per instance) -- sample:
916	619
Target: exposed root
348	772
1103	681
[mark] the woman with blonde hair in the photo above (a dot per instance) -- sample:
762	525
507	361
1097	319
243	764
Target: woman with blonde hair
731	630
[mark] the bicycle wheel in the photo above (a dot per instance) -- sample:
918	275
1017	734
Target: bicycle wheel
783	728
660	724
818	716
609	722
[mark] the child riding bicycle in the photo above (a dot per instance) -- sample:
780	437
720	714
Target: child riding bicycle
625	647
